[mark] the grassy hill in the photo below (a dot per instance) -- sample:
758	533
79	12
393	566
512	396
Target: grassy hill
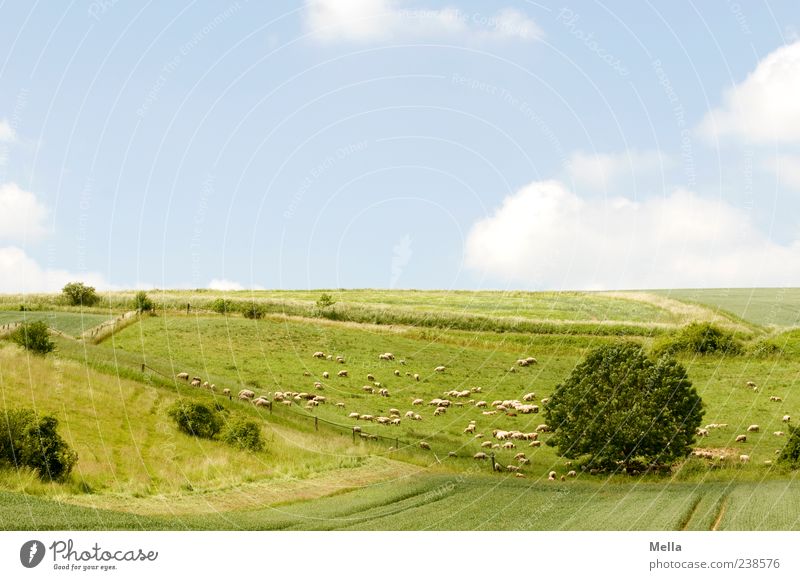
135	470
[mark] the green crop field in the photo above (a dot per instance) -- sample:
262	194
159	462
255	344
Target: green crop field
137	471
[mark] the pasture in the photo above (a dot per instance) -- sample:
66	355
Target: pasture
136	471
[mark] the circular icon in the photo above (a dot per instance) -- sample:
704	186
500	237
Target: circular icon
31	553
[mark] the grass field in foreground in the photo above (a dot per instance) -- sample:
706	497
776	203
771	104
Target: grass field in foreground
448	502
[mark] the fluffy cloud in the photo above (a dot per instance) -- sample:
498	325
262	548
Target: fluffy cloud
19	273
604	170
545	236
224	284
22	216
6	131
787	170
764	107
378	20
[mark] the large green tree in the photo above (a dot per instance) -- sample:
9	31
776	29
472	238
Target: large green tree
619	409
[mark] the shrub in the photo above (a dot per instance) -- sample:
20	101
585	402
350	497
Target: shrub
244	434
765	349
618	408
790	454
195	419
699	338
34	336
27	440
222	306
143	303
78	294
325	301
253	311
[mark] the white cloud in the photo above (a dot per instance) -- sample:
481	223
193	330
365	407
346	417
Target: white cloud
765	106
22	216
379	20
604	170
21	273
545	236
225	284
787	170
7	132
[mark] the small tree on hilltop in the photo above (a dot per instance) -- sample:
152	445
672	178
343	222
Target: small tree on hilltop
78	294
620	409
34	336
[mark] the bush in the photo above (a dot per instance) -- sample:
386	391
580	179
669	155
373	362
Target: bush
790	454
619	409
765	349
244	434
143	303
34	336
222	306
27	440
195	419
78	294
699	338
253	311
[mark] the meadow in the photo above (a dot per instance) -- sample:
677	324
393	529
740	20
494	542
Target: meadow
136	471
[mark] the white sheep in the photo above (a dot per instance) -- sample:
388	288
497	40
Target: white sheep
551	476
529	397
440	369
424	445
384	392
572	473
741	438
417	402
226	392
416	376
753	428
326	375
319	354
354	416
341	373
778	433
775	399
396	373
702	432
786	418
182	376
744	458
409	415
195	382
480	455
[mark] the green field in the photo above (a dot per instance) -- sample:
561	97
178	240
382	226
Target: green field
136	471
765	306
71	323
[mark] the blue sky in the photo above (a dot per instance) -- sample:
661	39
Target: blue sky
406	144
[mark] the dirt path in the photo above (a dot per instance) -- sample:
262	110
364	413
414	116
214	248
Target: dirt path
723	505
253	495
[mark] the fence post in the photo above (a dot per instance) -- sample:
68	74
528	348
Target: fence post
270	407
397	443
493	463
354	434
188	307
316	423
142	367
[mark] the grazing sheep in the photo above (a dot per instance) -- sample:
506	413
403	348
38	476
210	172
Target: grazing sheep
786	418
386	356
306	374
261	402
206	384
519	456
226	392
509	445
368	389
409	415
440	369
195	382
417	402
319	386
340	405
480	404
439	411
329	357
486	444
366	418
371	377
702	432
535	444
543	428
384	392
354	416
752	385
753	428
529	397
246	393
572	473
741	438
340	359
383	420
416	376
775	399
744	458
487	413
512	468
452	454
778	433
527	409
287	403
326	375
417	417
480	455
357	429
531	360
470	429
396	373
424	445
551	476
319	354
341	373
182	376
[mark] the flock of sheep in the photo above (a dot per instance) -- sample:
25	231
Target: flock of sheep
497	439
